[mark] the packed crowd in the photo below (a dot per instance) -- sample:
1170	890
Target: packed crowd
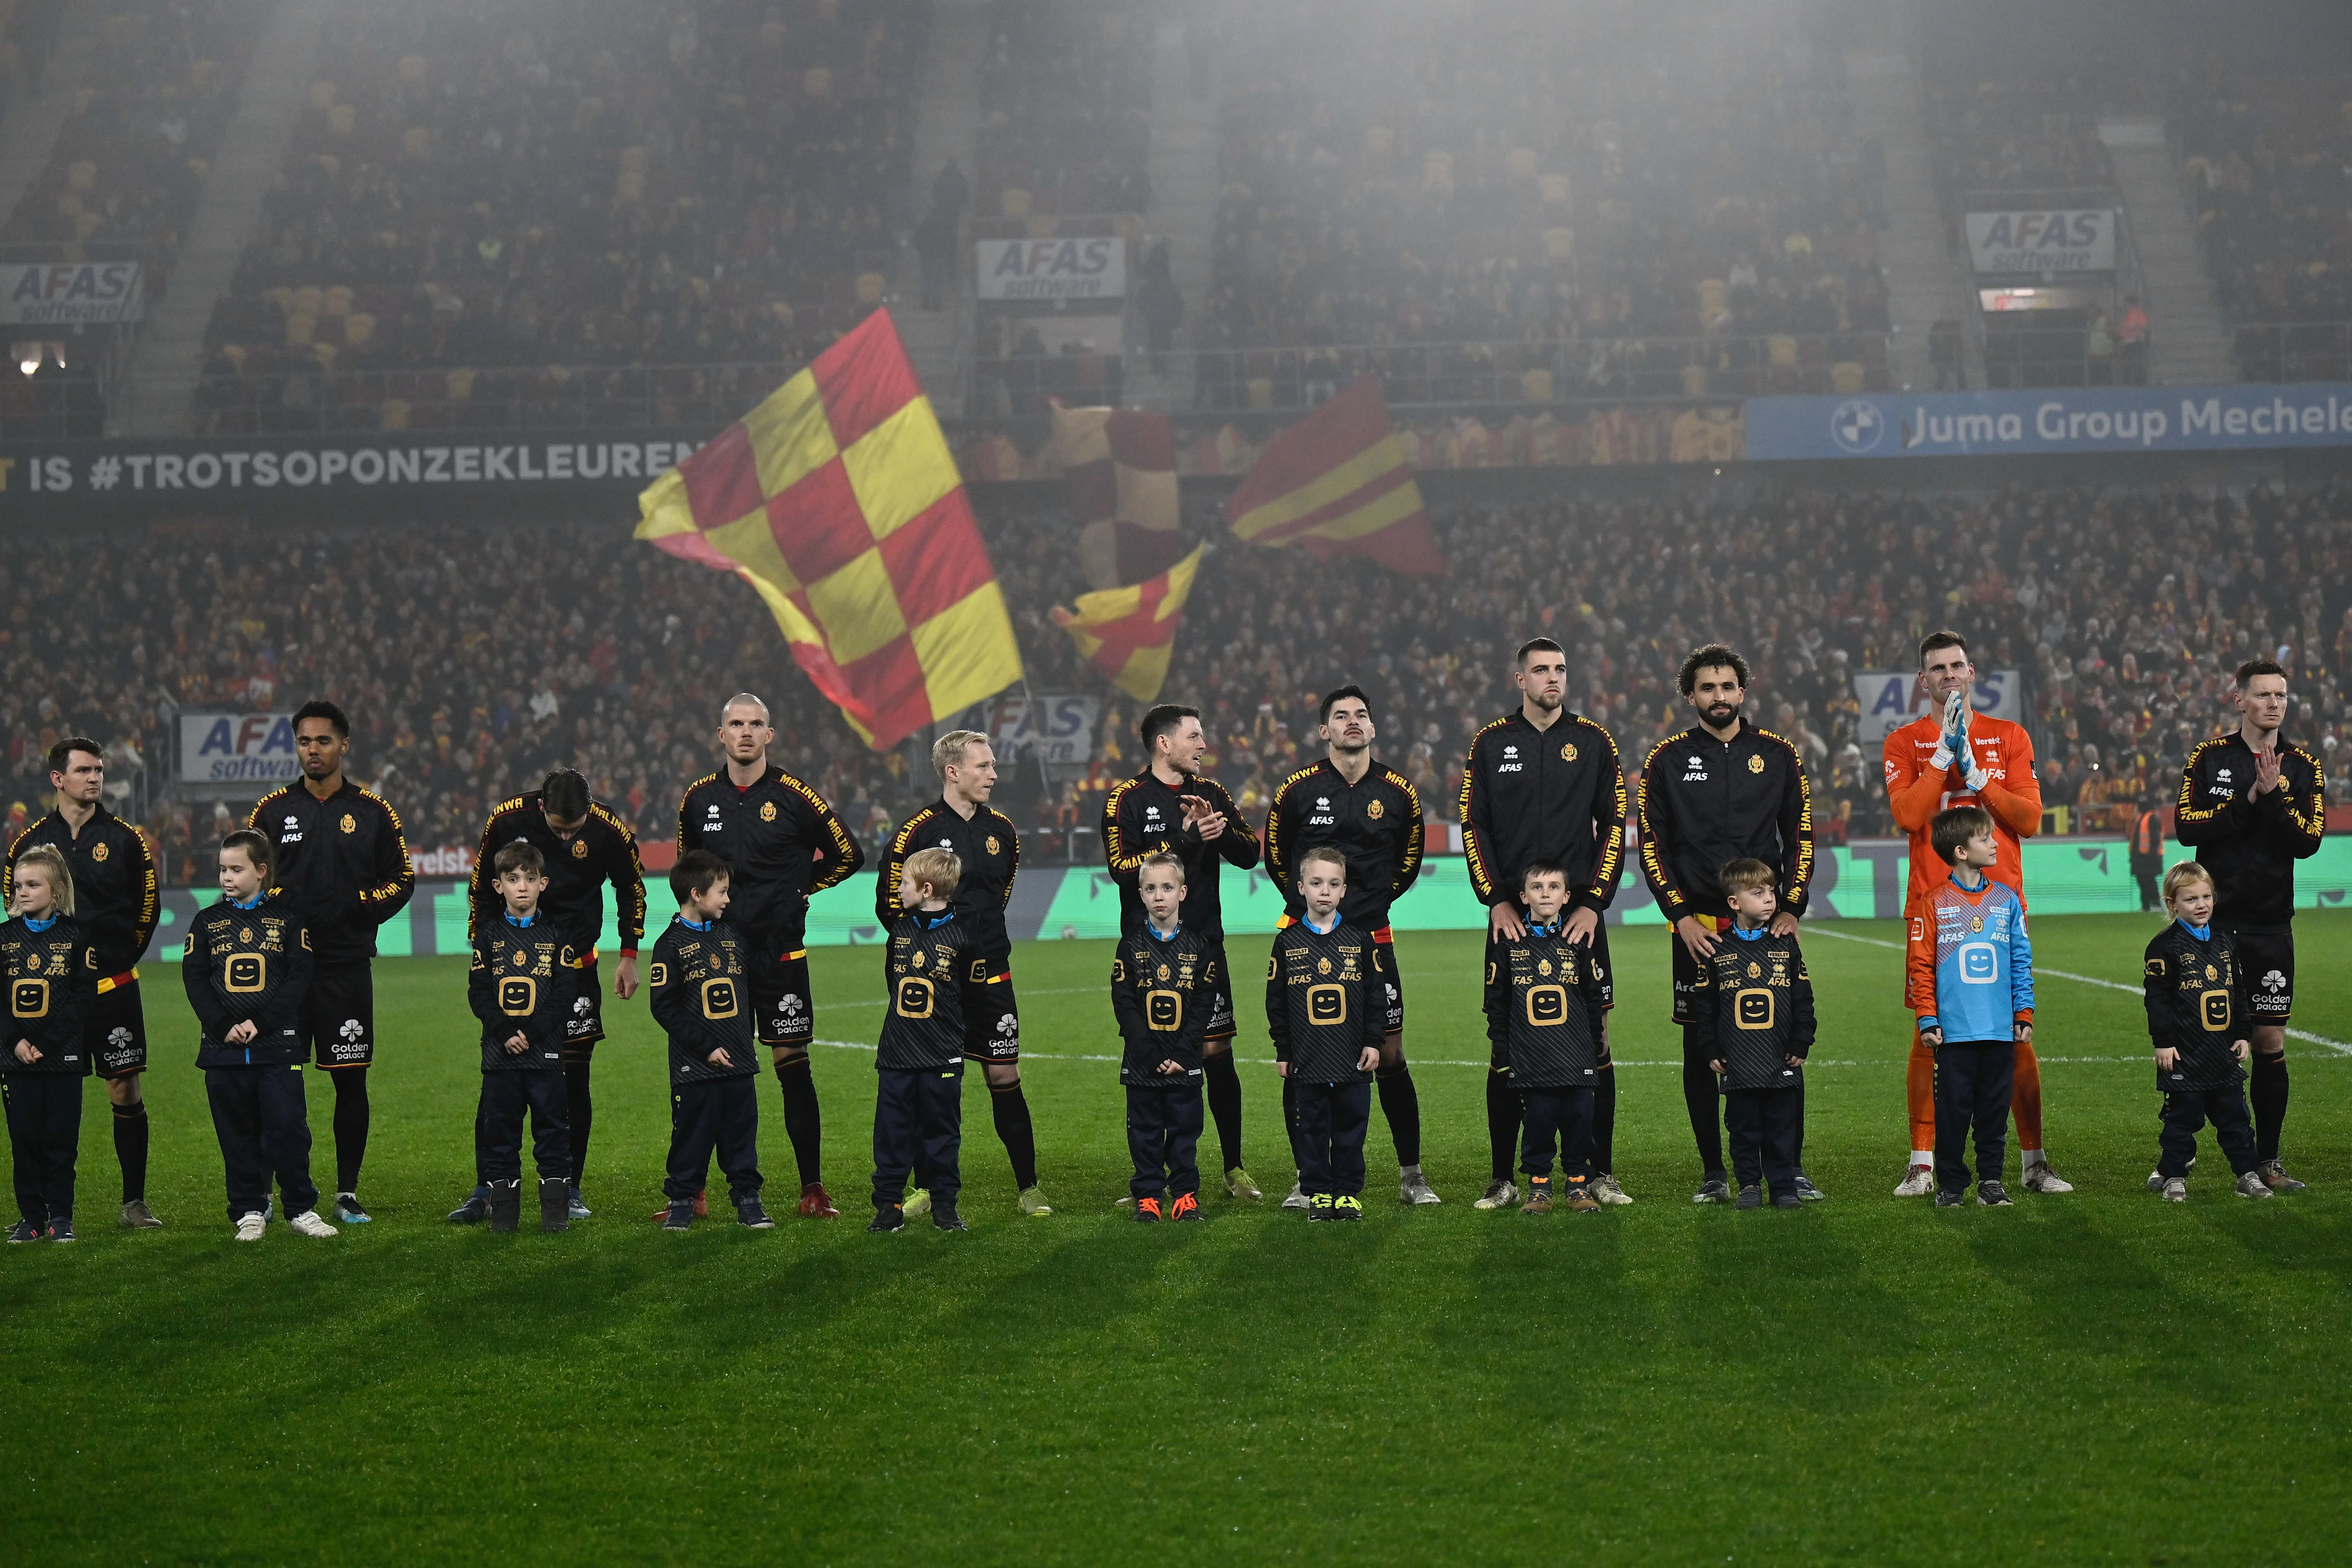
2032	135
582	197
131	157
1066	110
123	179
1521	175
2268	166
2124	613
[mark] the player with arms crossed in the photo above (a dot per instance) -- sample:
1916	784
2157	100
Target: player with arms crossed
1544	783
584	845
781	843
1952	757
1169	809
988	851
342	866
114	900
2251	807
1372	814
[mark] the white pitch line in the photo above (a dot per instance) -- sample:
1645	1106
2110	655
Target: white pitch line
1438	1062
2305	1035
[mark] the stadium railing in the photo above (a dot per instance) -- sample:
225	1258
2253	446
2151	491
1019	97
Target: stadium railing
1441	375
506	397
2293	351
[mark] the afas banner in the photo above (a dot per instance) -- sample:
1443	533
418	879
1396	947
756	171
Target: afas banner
2042	243
1051	269
1890	699
70	293
244	756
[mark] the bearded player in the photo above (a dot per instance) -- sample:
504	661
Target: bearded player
1956	756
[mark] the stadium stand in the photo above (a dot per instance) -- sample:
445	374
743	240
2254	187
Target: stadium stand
2267	163
581	212
1554	205
124	176
1066	112
2122	615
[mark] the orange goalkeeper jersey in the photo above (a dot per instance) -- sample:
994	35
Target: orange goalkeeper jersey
1917	792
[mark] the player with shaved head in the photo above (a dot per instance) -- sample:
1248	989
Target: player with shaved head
783	843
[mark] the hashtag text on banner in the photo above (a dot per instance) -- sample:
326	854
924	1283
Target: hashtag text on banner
1337	484
837	499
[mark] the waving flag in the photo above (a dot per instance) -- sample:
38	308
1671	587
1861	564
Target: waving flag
1336	483
1128	633
1120	466
837	499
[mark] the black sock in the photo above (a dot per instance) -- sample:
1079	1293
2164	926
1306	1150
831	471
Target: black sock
350	1127
1801	1124
130	1149
1019	1133
801	1123
579	1113
1502	1122
1290	1118
1705	1109
1400	1103
1224	1095
2268	1094
1604	1119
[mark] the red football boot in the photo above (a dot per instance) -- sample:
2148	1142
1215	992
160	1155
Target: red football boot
816	1203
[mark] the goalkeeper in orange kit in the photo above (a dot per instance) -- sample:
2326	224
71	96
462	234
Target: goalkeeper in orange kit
1956	756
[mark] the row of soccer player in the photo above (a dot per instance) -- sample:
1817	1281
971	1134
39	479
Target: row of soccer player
1540	784
247	967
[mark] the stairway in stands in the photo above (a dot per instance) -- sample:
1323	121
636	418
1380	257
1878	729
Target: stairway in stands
1183	211
161	383
947	125
2188	343
1925	279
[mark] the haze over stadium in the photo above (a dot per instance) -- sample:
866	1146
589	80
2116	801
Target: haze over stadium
748	452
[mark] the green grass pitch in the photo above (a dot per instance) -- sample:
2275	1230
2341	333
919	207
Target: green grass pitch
2087	1378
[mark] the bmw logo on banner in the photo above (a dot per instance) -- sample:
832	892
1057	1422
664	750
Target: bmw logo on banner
1857	427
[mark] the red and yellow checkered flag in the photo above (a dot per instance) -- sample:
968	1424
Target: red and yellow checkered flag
1130	633
837	499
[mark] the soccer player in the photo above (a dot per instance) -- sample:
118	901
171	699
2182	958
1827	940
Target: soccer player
781	844
1328	1024
1723	790
51	971
2252	806
519	985
1544	783
1371	816
698	990
1953	755
115	898
1544	1012
1169	809
919	1062
988	849
583	846
1157	985
1751	1008
2196	1018
342	866
1970	966
246	966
